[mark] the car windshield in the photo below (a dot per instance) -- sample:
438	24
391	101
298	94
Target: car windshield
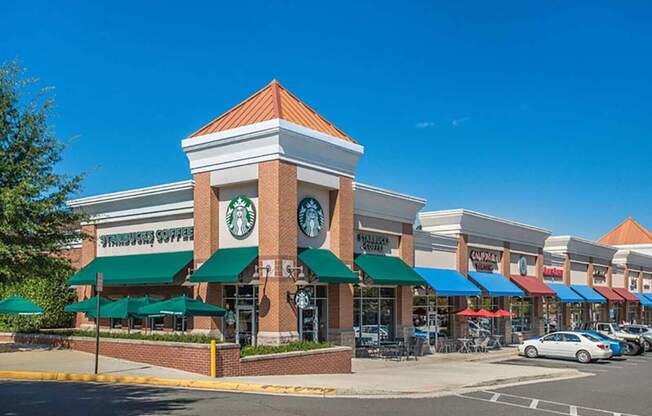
617	327
591	337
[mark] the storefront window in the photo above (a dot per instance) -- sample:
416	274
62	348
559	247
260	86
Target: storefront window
552	310
374	314
439	313
522	309
575	315
158	323
313	321
482	327
241	318
616	312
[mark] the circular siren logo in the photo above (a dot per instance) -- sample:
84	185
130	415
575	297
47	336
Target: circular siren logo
240	216
310	216
522	266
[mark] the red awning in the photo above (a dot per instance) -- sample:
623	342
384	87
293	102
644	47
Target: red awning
608	293
532	286
629	296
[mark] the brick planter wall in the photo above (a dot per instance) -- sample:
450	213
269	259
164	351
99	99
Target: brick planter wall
195	358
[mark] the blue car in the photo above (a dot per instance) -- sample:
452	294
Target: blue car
616	346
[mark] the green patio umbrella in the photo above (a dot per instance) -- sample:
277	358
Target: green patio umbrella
15	305
87	305
122	308
182	306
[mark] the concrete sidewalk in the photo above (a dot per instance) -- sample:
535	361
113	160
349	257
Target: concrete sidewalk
429	376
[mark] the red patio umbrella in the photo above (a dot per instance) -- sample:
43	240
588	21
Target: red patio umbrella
502	313
467	312
486	314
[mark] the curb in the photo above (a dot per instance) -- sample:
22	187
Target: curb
169	382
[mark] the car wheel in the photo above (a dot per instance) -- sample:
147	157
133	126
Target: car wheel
631	348
647	345
531	352
583	356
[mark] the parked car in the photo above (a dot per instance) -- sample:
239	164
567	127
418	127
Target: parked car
634	343
582	347
643	331
616	345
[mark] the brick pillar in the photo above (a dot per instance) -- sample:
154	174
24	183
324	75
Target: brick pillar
567	270
277	236
639	283
404	294
460	323
539	266
206	217
340	297
610	275
539	313
88	254
506	301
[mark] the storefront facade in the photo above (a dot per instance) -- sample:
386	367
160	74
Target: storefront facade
501	257
272	227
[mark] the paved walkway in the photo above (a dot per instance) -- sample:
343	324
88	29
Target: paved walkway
431	375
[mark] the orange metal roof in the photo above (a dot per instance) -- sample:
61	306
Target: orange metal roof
628	232
273	101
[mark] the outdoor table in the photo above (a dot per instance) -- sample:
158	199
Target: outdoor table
465	344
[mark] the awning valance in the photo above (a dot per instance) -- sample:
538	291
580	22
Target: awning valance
589	295
225	265
87	305
326	266
608	293
532	286
447	282
496	284
645	301
388	270
181	306
626	294
565	293
135	269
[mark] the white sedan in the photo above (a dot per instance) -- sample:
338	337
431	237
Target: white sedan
582	347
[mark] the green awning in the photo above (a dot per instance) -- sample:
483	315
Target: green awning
136	269
15	305
225	265
87	305
326	266
122	308
388	270
181	306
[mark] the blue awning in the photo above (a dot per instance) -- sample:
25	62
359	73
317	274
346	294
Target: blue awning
588	293
447	282
565	293
645	301
648	296
496	284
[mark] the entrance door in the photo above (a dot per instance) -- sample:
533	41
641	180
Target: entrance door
309	324
245	325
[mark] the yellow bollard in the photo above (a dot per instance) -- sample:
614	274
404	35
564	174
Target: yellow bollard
213	359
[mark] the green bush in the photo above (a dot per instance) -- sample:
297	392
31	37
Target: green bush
194	339
249	350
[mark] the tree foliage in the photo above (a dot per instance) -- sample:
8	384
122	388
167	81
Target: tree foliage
36	224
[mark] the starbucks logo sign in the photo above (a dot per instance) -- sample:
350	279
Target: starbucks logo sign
522	266
311	217
302	299
240	216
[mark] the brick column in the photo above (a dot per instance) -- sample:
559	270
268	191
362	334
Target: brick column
460	324
404	294
340	297
88	254
539	266
567	270
506	301
206	217
639	283
277	236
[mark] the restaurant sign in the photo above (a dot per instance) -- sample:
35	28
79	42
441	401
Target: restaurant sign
553	273
484	260
148	237
372	242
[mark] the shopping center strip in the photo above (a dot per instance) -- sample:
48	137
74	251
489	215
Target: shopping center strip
274	228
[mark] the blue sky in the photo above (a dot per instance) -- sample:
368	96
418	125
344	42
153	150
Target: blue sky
534	111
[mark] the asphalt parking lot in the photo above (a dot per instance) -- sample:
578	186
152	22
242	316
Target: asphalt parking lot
620	387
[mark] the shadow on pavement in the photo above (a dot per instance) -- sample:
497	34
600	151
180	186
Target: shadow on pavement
59	398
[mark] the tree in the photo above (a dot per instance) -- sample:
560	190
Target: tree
36	224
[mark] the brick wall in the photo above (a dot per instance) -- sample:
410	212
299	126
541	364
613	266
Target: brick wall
195	358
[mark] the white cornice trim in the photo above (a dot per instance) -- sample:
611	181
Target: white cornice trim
567	244
633	259
386	192
132	193
462	211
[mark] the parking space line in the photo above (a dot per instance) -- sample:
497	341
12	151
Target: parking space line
534	404
572	410
495	397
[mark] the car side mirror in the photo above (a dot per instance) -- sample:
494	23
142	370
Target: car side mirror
541	340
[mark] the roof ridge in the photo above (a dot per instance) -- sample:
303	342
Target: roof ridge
618	229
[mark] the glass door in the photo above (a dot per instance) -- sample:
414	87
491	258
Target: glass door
245	325
309	324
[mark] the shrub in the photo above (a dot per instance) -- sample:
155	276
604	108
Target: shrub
249	350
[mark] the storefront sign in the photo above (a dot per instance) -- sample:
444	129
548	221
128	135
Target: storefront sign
373	242
240	216
522	266
302	298
484	260
553	273
147	237
599	276
310	216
